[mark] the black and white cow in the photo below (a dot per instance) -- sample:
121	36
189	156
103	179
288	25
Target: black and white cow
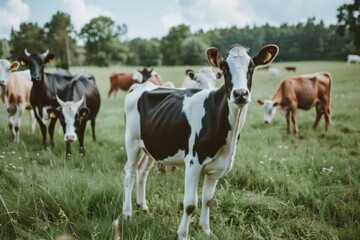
80	103
191	127
44	90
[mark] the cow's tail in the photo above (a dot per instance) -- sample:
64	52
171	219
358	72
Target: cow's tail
116	230
328	75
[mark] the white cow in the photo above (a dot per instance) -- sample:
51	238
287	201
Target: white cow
204	78
353	58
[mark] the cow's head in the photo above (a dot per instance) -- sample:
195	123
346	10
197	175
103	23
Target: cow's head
269	108
238	68
5	68
36	63
205	77
70	115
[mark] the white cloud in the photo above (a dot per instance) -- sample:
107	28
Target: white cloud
81	13
12	14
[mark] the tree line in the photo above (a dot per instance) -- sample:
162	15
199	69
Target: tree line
100	43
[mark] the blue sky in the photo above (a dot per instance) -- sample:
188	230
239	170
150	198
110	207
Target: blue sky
153	18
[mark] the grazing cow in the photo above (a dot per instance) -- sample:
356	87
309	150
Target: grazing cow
124	81
16	87
300	92
80	103
290	69
44	90
204	78
192	127
353	58
273	71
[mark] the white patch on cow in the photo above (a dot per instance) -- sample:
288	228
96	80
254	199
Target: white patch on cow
137	76
238	61
269	110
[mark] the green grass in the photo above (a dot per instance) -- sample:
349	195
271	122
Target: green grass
278	188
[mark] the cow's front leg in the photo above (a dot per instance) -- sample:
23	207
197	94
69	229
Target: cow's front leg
192	173
294	121
81	138
42	128
287	116
207	195
132	152
142	172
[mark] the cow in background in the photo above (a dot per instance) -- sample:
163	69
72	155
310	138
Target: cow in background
204	78
44	90
300	92
15	88
124	81
353	58
196	128
80	103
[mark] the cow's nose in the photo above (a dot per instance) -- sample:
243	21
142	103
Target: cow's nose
70	138
241	95
36	77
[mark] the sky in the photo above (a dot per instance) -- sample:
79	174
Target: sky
153	18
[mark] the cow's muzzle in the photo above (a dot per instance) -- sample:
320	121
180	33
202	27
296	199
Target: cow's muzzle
241	96
70	138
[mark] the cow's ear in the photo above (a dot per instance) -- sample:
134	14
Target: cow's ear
261	102
22	60
49	58
53	112
214	57
191	75
14	65
84	112
266	55
275	104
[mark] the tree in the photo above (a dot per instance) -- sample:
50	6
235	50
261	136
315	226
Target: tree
4	49
349	19
145	52
171	44
60	42
193	51
29	36
99	36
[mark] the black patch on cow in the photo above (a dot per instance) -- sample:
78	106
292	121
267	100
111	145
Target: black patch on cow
164	127
250	73
215	126
191	162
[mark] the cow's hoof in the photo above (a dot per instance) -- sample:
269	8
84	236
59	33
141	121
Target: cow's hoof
68	156
82	152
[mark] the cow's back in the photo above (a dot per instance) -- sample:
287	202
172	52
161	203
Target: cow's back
121	80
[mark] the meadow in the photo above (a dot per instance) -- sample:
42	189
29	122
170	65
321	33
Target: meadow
278	188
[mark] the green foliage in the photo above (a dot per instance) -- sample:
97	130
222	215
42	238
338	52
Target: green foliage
349	19
193	51
171	44
278	188
4	48
99	35
58	32
144	52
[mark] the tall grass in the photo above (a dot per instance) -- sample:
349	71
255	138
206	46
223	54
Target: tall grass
278	188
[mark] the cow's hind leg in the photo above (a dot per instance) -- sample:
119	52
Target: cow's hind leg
207	195
132	151
92	122
319	112
142	172
51	131
192	173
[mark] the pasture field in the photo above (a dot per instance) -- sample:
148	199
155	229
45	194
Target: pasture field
278	188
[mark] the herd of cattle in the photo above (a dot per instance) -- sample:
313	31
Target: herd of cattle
197	125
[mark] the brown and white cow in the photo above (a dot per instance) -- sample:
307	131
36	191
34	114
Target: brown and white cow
16	87
196	128
125	80
300	92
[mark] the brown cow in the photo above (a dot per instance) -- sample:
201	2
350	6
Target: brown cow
16	87
124	81
303	92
